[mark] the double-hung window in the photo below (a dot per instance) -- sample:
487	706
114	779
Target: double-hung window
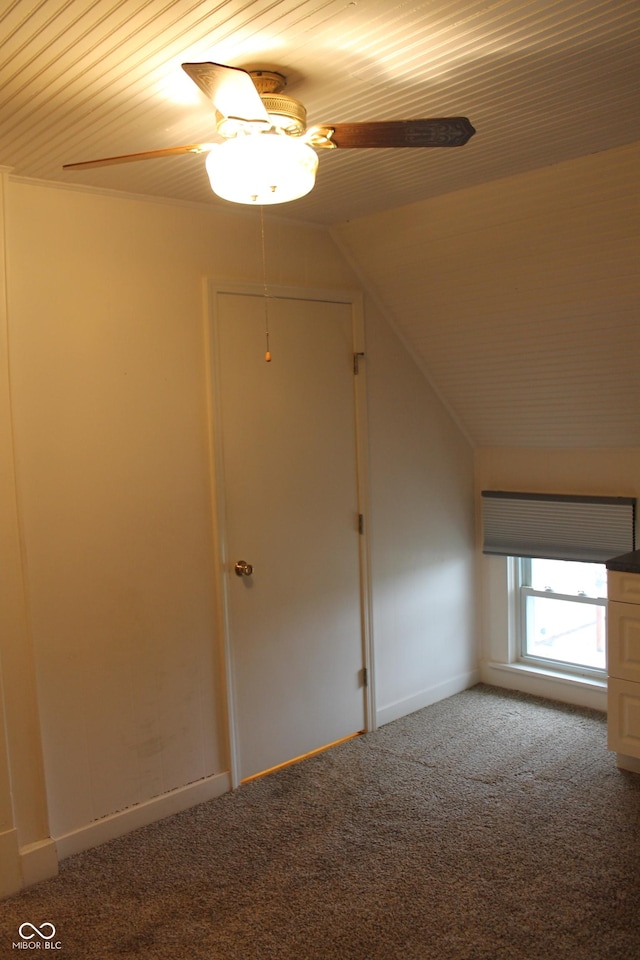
562	614
559	545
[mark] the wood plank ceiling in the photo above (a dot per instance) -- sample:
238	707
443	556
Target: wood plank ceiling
521	300
522	311
541	80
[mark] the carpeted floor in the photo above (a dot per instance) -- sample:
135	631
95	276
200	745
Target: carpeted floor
489	826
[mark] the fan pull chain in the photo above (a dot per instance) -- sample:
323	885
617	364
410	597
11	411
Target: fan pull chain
267	355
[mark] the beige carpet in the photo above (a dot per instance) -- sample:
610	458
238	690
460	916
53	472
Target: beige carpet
490	826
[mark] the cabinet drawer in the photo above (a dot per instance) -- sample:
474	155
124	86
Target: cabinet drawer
623	640
623	725
623	586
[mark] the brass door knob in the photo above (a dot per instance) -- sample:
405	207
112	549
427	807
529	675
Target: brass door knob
243	569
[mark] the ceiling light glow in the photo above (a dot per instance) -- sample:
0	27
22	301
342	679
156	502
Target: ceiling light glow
262	168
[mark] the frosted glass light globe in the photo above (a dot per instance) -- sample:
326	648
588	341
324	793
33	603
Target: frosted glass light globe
262	168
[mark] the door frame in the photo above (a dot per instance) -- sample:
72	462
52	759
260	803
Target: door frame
353	298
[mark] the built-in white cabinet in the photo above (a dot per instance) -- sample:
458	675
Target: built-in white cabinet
623	665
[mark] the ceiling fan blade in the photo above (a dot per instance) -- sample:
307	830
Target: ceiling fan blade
231	90
438	132
147	155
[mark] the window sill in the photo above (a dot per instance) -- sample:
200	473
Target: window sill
552	684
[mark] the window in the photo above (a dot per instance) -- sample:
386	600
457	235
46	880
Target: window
558	545
562	615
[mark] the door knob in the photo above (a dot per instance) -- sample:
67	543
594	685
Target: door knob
243	569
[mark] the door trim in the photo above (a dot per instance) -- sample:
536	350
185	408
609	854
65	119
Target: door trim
216	287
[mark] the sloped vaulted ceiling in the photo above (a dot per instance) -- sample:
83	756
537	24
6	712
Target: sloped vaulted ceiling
521	300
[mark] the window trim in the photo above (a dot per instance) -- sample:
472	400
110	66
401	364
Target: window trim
521	567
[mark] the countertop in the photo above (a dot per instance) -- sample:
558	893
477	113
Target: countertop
626	563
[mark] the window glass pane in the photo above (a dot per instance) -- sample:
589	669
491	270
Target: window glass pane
568	576
565	631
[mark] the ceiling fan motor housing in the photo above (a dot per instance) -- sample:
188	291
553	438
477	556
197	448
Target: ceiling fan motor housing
287	114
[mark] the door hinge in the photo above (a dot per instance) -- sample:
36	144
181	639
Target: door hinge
364	673
356	362
360	523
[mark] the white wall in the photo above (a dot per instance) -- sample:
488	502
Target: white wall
10	879
108	408
606	471
422	505
26	855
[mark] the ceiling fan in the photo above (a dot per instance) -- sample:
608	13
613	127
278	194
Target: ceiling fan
264	152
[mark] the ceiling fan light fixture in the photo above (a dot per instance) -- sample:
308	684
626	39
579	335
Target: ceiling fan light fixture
262	168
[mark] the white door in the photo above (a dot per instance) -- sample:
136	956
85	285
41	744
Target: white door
288	469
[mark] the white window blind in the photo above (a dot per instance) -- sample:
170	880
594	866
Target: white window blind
557	527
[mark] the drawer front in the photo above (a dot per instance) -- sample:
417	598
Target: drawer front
623	724
623	640
623	586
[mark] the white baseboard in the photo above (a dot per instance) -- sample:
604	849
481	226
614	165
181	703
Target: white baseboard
425	698
579	691
38	861
10	873
117	824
